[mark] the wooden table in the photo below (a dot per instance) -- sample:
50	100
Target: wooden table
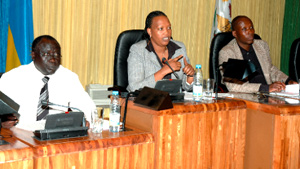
273	133
216	135
130	150
15	154
195	135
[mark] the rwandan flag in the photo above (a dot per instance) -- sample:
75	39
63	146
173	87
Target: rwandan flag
17	35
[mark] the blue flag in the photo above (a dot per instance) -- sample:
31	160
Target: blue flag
17	33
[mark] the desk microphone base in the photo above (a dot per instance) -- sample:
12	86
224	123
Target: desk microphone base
60	133
177	96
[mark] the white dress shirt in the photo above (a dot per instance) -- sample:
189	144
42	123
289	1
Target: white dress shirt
24	83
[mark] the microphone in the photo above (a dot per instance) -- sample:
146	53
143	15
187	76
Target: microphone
47	103
165	61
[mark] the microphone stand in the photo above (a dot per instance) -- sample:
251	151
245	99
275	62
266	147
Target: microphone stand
135	93
295	63
164	60
125	112
296	72
47	103
217	80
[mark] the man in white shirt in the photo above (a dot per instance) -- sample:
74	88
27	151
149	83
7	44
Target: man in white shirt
24	83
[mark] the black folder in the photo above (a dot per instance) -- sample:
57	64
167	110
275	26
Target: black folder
8	107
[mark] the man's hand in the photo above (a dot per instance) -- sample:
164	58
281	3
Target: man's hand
275	101
277	87
11	121
87	124
292	82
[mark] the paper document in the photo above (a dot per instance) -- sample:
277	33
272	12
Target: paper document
290	91
292	101
189	95
293	88
287	94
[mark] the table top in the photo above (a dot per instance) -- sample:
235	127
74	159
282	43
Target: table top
274	104
188	106
278	105
93	141
16	150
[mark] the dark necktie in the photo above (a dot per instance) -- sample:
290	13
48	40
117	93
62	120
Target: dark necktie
42	111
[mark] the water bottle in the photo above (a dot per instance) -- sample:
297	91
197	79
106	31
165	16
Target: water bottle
114	115
198	84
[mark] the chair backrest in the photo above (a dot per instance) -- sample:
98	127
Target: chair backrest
294	63
217	43
124	42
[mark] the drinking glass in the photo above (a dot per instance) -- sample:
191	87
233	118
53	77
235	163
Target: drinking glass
208	89
97	120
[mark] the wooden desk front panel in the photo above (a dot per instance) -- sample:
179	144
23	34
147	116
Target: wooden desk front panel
125	157
201	140
272	141
124	150
273	136
15	154
286	153
195	136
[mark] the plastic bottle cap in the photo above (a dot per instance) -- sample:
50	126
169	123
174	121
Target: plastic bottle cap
115	93
198	66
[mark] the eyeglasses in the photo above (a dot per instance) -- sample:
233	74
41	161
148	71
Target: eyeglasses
54	54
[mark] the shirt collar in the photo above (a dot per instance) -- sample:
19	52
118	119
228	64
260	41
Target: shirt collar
41	74
172	47
245	51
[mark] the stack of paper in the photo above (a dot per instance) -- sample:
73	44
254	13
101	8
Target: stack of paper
290	91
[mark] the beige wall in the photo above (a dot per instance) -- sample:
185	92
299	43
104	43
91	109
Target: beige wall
87	29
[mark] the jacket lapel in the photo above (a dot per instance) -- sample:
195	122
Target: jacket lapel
259	53
237	50
263	62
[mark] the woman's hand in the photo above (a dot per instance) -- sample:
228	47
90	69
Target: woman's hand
189	71
175	64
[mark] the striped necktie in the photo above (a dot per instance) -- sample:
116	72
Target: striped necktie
42	111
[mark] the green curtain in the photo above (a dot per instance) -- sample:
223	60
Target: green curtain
291	31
